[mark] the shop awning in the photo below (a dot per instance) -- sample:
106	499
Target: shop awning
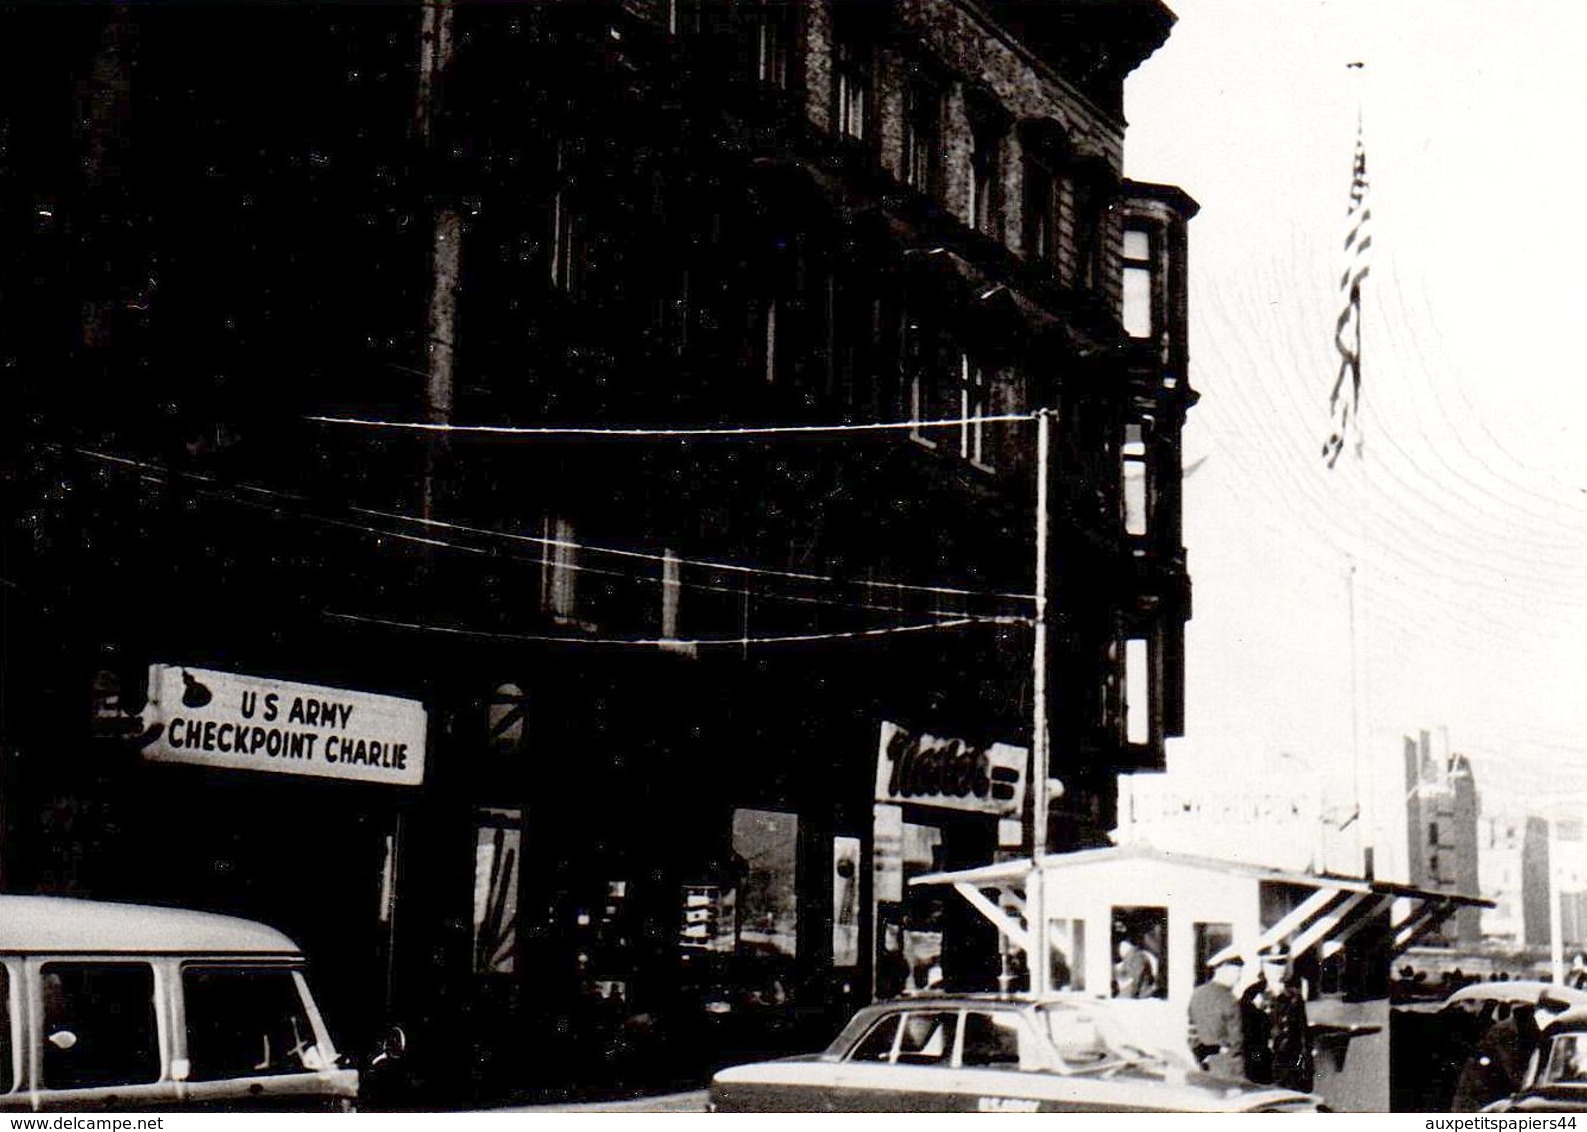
1334	911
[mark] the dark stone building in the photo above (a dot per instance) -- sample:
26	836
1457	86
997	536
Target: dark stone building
657	671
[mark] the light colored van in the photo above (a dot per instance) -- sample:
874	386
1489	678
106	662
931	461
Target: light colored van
111	1006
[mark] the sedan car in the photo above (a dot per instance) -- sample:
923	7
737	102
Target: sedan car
973	1053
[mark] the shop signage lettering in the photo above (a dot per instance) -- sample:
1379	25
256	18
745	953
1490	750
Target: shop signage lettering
223	719
926	770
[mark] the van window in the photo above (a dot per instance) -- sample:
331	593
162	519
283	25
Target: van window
246	1022
99	1026
7	1081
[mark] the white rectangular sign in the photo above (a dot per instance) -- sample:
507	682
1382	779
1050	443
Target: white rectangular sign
223	719
925	770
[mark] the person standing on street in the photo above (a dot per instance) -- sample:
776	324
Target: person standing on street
1217	1035
1289	1038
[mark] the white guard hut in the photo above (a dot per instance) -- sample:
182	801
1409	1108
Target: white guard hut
1343	935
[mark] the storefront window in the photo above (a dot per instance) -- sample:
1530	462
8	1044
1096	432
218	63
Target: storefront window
845	901
498	841
768	911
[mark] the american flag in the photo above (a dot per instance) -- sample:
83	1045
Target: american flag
1344	402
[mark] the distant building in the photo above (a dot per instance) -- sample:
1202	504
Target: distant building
1441	824
1512	871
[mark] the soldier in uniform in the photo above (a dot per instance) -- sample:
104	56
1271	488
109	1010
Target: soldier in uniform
1217	1034
1288	1039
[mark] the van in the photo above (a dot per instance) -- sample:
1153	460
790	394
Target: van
120	1006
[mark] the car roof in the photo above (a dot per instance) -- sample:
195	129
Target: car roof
1519	990
59	925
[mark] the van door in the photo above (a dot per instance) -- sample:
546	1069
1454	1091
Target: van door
98	1035
252	1040
12	1096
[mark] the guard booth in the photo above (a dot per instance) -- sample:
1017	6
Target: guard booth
1188	913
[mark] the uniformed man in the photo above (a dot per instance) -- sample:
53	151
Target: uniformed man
1216	1033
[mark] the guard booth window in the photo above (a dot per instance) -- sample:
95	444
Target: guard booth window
246	1022
99	1026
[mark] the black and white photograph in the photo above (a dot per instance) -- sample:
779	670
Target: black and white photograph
792	556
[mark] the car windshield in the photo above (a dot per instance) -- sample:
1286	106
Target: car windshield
1565	1062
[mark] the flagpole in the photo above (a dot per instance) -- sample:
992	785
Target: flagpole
1344	406
1038	959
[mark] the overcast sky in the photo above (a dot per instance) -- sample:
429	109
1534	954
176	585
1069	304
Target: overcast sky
1467	517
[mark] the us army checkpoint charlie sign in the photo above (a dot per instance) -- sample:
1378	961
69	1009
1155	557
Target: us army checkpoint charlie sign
238	722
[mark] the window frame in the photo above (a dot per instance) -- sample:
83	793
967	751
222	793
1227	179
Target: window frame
305	1001
923	129
853	88
1146	266
988	140
62	1095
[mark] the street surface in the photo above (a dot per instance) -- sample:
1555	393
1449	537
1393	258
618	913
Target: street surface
693	1101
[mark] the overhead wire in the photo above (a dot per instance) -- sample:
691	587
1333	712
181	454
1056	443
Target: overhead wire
619	432
679	642
699	563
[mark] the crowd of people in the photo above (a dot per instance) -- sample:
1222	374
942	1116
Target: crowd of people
1254	1030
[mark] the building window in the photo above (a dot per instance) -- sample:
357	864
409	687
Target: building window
1089	214
1067	941
569	234
768	908
1140	319
932	392
1432	833
1041	214
559	571
769	341
986	162
773	41
1137	691
922	136
685	17
1140	938
852	80
1134	480
973	400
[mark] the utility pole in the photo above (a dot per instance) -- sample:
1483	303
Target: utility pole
1039	960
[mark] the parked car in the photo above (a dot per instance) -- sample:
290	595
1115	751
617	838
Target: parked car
120	1006
1550	999
1556	1078
980	1053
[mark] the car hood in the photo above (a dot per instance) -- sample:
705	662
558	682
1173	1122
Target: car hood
1174	1090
